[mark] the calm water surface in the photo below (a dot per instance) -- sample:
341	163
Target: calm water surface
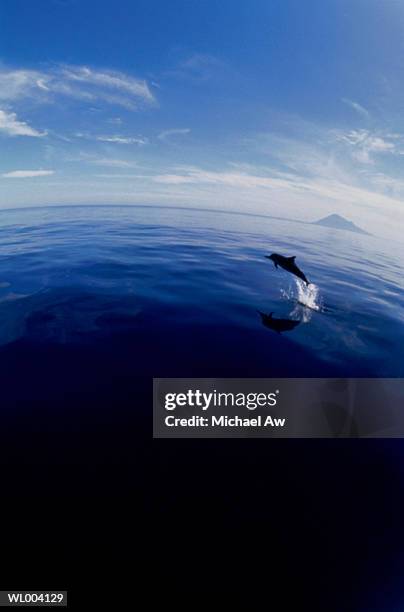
185	286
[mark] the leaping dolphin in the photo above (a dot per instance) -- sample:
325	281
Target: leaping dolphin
278	325
288	264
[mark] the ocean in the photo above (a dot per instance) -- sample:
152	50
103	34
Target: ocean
94	302
182	290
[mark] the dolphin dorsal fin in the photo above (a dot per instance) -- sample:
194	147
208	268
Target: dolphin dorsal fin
292	258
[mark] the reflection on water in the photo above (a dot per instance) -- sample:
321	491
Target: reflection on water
278	325
74	275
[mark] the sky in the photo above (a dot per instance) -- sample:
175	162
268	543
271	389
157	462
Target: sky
279	107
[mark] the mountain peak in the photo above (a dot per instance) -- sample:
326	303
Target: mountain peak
337	222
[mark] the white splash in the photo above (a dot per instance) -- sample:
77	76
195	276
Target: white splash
308	295
306	298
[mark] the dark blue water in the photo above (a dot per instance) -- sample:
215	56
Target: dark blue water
94	302
185	286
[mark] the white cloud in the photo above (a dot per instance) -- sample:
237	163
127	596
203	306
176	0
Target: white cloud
15	84
27	173
116	175
109	80
231	179
365	144
77	82
167	134
122	140
114	139
10	125
112	163
96	160
115	121
199	67
302	197
361	110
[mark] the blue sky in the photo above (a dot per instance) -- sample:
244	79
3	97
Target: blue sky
273	106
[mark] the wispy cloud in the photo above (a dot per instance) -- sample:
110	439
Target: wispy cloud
122	140
77	82
194	175
10	125
116	175
114	139
115	121
198	67
15	84
113	163
358	108
96	160
365	144
99	83
304	194
27	173
167	134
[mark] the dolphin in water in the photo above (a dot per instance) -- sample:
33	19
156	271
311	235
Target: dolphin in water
278	325
288	264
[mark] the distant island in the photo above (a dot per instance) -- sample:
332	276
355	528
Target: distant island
338	222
